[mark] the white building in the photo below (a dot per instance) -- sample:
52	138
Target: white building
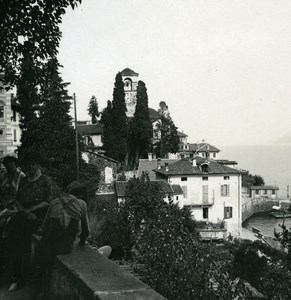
10	132
211	190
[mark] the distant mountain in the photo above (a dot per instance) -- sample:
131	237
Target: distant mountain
284	139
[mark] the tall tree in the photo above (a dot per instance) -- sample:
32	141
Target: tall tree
108	137
166	132
29	26
28	99
119	119
53	135
141	130
93	110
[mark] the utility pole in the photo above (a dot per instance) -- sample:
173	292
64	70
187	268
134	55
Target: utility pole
76	135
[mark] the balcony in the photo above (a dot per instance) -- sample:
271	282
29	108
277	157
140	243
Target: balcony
198	203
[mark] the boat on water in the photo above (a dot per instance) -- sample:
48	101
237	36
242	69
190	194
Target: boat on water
282	210
280	214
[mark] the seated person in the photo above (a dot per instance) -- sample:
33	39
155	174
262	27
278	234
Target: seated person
61	224
9	181
32	198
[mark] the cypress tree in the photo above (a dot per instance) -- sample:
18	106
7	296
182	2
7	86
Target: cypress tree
140	127
119	119
108	137
167	133
93	110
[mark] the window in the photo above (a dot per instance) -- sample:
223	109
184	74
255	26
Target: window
224	190
257	192
204	178
227	212
177	198
2	112
204	193
184	188
273	192
265	191
14	135
214	155
205	212
183	178
182	155
226	177
203	154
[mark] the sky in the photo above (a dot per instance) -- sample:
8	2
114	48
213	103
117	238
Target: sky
223	67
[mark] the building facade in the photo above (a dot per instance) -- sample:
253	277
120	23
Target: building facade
10	133
212	191
130	79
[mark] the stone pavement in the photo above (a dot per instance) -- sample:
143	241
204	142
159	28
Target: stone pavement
24	293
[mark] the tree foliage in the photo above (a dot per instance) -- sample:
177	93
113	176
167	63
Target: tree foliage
93	110
108	137
252	180
29	27
47	126
115	134
141	131
166	132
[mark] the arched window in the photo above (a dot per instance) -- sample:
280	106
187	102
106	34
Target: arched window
127	84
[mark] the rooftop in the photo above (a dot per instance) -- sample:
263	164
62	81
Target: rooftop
264	187
185	167
147	166
128	72
92	129
153	114
202	147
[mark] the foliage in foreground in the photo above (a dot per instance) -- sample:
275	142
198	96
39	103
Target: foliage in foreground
160	240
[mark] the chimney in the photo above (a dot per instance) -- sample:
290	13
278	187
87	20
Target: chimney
150	156
159	163
167	167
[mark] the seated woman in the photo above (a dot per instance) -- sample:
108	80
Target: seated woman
32	199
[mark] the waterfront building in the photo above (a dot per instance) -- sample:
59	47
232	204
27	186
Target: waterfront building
10	132
264	192
212	191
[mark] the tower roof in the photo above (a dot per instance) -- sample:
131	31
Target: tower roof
128	72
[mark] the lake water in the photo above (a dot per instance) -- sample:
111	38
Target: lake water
266	223
272	162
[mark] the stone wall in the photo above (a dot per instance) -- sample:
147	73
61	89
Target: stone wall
104	164
253	206
85	274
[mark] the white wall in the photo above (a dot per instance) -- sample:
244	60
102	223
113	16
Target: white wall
97	140
216	211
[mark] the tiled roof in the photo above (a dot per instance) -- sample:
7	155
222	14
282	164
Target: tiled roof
92	129
181	134
177	190
120	188
147	166
128	72
264	187
102	156
226	162
185	167
202	147
153	114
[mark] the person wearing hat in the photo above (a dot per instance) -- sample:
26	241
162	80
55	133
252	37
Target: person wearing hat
32	199
9	181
